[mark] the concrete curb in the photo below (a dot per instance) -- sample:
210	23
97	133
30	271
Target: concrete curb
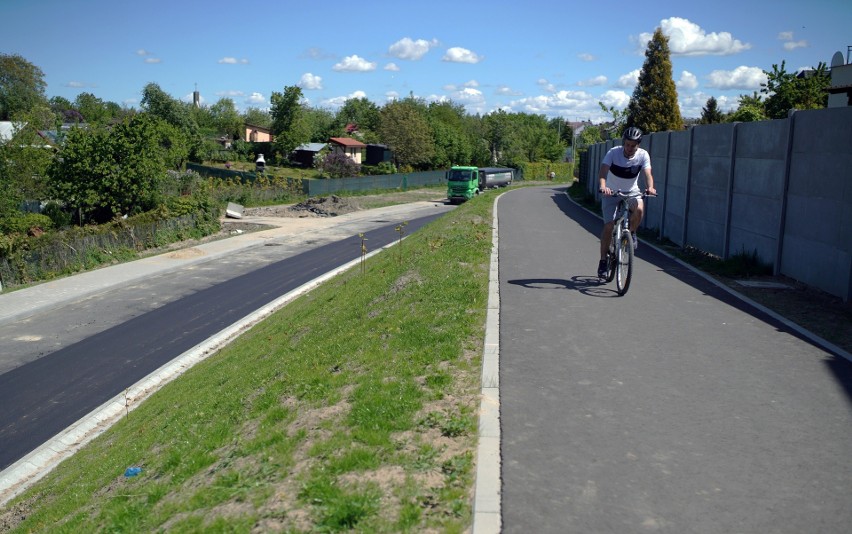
486	503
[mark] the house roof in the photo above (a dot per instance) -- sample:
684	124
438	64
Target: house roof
256	127
347	141
311	147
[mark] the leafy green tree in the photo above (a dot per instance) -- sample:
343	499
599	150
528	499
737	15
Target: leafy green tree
92	108
563	129
257	117
102	173
653	106
619	118
288	124
453	144
226	118
475	128
23	163
787	91
159	104
497	133
710	114
750	109
320	123
359	111
534	140
22	87
404	128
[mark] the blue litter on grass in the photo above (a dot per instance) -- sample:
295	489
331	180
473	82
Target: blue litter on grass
132	471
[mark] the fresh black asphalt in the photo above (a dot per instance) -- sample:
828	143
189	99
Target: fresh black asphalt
674	408
44	396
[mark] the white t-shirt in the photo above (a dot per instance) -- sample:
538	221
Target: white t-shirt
624	173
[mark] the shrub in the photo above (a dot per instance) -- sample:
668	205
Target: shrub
22	223
337	165
57	214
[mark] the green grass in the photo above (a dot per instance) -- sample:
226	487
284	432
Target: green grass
352	408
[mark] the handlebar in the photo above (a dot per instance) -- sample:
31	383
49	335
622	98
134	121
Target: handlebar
620	193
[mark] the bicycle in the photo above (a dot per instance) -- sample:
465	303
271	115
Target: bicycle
619	258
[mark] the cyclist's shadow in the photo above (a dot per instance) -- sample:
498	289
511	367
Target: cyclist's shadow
587	285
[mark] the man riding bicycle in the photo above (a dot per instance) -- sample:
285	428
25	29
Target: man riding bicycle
620	170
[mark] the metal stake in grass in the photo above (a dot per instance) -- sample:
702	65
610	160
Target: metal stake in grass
363	253
401	230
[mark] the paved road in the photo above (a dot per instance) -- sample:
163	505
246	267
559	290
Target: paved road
672	409
61	356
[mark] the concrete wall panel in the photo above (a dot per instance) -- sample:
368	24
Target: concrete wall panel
792	185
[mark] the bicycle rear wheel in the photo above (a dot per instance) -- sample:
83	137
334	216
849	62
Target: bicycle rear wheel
624	263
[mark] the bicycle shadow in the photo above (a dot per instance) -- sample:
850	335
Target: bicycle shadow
585	284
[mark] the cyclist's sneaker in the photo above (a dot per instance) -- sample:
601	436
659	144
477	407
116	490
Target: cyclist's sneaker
635	241
602	269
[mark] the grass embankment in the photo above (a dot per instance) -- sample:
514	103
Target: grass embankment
353	407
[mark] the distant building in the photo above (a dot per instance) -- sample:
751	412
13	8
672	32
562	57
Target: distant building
840	90
257	134
304	154
347	146
378	154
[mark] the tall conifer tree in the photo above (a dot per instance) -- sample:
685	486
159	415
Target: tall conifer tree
653	106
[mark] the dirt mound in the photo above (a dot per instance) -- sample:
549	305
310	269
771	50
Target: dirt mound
330	206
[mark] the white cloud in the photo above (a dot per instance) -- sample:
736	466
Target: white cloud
406	48
546	85
741	77
338	101
615	99
75	85
142	52
317	53
687	81
354	63
791	44
689	39
130	102
392	67
230	94
572	102
628	80
390	96
310	81
469	95
457	54
592	82
256	100
233	61
586	57
152	60
507	91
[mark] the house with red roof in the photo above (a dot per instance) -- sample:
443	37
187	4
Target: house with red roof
347	146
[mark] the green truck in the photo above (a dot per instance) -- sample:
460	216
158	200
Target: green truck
465	182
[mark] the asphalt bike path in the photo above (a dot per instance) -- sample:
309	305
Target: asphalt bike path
675	408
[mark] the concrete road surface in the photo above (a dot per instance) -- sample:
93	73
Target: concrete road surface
672	409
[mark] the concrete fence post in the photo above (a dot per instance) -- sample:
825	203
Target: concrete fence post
779	250
726	245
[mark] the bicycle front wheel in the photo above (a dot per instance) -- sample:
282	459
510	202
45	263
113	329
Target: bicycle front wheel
624	263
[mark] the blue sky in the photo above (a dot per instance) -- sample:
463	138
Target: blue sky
555	58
